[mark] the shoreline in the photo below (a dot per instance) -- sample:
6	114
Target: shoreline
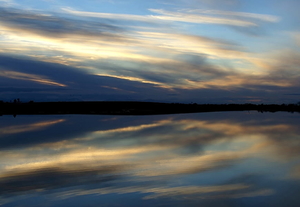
133	108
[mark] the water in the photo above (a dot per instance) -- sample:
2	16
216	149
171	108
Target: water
206	159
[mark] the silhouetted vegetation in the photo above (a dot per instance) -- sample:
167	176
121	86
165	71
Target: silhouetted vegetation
133	108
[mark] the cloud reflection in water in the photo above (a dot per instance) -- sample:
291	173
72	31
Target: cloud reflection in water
234	158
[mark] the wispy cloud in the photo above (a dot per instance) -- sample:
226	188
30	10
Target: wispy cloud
47	25
262	17
191	16
200	19
185	43
29	77
7	2
130	17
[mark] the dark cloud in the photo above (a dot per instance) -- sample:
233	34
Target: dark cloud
173	73
59	27
78	83
83	86
286	68
253	31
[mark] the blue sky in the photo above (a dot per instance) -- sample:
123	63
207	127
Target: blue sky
204	51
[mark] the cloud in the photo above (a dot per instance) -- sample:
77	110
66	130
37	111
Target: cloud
189	16
28	77
119	17
166	60
54	26
225	4
191	44
282	67
77	82
200	19
198	71
48	34
261	17
7	2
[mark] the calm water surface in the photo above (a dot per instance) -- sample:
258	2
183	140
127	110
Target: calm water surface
205	159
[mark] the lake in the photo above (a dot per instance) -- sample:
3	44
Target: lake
202	159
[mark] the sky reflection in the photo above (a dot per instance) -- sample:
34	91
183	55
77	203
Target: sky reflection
213	159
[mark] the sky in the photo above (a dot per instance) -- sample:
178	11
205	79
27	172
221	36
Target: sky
203	51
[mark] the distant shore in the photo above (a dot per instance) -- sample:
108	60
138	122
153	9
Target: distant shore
133	108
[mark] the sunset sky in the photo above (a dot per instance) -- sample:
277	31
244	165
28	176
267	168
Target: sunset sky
204	51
